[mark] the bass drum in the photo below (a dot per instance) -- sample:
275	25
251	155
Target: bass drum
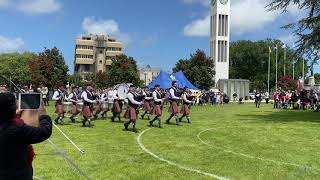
122	90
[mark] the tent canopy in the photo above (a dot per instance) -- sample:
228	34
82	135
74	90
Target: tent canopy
165	80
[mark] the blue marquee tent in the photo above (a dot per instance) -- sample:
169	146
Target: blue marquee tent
165	80
182	81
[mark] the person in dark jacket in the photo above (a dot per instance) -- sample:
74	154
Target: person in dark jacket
16	152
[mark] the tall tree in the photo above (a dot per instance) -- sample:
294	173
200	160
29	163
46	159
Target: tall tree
198	69
307	29
249	60
124	69
15	66
49	68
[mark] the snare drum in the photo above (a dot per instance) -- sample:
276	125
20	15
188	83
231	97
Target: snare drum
80	106
67	106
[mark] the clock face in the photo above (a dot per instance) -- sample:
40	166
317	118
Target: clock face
213	2
224	2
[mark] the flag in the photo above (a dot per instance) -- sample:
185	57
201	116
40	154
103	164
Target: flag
270	51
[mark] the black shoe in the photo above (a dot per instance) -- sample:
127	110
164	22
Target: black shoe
95	116
112	119
126	127
142	117
151	124
168	122
180	120
134	130
189	121
84	123
56	121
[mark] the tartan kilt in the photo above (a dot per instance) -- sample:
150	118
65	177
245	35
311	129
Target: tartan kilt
74	109
174	109
117	108
87	111
131	113
185	109
157	110
59	108
147	106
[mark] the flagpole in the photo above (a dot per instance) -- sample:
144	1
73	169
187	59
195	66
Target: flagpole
303	69
277	67
269	65
293	70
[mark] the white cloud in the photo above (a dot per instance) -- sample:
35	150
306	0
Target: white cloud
246	16
289	40
4	3
34	7
8	45
91	25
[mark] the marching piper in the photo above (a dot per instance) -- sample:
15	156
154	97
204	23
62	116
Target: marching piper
157	110
58	96
185	111
103	98
117	105
73	98
174	99
87	109
131	113
147	102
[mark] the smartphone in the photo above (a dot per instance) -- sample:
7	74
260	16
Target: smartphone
29	101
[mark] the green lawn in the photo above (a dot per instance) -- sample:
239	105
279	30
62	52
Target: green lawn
231	141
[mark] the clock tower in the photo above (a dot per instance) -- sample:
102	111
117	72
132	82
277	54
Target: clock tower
219	37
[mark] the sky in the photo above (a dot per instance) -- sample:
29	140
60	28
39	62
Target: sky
154	32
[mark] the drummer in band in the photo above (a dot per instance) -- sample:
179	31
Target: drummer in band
147	102
73	98
131	113
187	101
117	105
58	96
87	110
103	102
174	99
157	110
97	97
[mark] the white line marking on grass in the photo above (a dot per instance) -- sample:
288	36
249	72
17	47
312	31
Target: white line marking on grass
173	163
249	156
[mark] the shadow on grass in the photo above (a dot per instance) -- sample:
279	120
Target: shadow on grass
283	116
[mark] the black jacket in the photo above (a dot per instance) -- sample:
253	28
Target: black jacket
14	142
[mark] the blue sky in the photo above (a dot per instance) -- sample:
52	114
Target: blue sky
155	32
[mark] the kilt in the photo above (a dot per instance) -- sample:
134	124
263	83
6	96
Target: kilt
98	107
174	109
185	109
147	106
87	111
131	113
59	108
117	107
74	109
157	110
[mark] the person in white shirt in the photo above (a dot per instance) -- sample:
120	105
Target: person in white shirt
131	113
117	105
87	110
44	92
185	111
147	102
73	98
157	110
104	102
174	98
58	96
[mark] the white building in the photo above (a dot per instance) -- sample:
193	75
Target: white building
148	74
219	37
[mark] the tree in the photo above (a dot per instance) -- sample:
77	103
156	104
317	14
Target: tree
14	66
198	69
249	60
317	78
123	70
307	29
287	83
49	68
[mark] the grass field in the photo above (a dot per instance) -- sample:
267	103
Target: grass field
231	141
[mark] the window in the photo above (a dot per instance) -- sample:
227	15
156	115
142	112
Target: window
113	49
84	47
222	51
87	67
84	56
101	52
223	25
100	61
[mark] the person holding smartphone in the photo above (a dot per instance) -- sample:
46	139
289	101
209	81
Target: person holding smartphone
16	137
